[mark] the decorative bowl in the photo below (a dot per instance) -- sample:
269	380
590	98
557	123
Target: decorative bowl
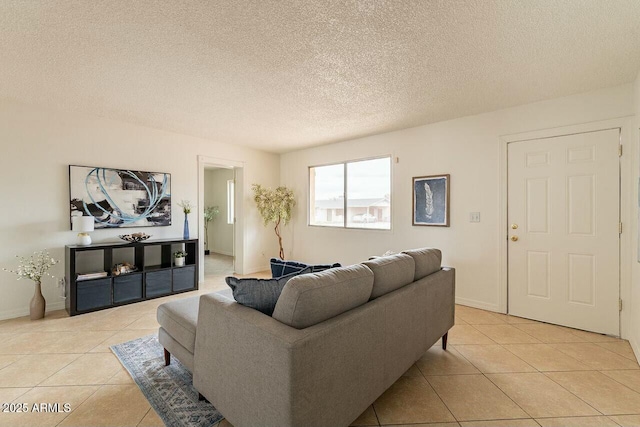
135	237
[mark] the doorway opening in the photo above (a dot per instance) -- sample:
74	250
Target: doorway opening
220	206
219	221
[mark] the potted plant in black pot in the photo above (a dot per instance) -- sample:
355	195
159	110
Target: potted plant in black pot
210	214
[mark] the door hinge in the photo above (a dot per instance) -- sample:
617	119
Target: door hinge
620	150
619	228
620	304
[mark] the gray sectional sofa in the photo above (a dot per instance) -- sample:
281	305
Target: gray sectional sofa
336	341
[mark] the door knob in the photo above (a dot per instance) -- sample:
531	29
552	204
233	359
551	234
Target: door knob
514	238
514	226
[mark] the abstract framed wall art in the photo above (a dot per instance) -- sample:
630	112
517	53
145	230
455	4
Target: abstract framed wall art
120	197
431	200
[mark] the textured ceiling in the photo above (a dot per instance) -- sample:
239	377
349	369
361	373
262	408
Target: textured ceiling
281	75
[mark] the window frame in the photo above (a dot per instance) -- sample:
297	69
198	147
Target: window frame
231	204
344	225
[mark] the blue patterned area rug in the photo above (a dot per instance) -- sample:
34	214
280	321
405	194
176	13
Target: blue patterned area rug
169	389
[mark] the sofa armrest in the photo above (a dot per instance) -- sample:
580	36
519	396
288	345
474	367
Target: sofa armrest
442	300
258	371
241	357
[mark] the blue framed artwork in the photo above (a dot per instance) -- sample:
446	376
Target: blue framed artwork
431	200
120	197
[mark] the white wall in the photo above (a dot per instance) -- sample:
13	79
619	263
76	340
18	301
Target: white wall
220	233
634	304
469	149
38	145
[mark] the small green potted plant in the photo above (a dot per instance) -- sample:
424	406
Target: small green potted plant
178	258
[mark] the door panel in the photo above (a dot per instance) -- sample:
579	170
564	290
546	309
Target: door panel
538	204
564	199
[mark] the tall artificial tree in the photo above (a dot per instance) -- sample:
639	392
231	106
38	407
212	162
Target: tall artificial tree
210	213
275	206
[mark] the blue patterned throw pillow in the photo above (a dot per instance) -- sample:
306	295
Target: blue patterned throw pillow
260	294
281	268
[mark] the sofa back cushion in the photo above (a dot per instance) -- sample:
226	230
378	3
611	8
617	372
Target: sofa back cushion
428	261
390	273
313	298
260	294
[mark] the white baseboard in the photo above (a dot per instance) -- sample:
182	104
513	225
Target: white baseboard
213	251
24	311
478	304
257	268
635	346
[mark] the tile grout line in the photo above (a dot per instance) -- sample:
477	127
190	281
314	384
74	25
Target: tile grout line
79	405
117	371
508	397
501	346
569	391
586	362
441	399
1	369
543	373
375	413
79	356
151	409
612	420
480	332
18	397
599	344
434	390
571	357
611	378
536	371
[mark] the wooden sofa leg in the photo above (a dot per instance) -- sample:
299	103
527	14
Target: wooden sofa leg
444	341
201	398
167	358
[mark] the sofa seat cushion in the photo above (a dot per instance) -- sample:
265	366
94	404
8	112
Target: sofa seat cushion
281	268
260	294
390	273
428	261
313	298
179	319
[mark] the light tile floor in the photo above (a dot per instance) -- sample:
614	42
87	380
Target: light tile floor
498	371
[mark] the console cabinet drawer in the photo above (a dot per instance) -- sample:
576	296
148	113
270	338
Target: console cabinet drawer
158	283
92	294
184	278
127	288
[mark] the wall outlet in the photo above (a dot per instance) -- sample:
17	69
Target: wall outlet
61	282
474	217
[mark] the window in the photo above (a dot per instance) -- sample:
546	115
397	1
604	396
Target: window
230	201
354	194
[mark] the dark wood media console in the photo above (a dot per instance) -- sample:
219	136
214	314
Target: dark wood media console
156	274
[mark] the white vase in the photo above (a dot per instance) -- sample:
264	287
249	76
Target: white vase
179	262
84	239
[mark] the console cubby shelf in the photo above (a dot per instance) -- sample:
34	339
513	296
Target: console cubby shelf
156	275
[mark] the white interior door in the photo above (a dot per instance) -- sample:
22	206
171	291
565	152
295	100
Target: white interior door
563	209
